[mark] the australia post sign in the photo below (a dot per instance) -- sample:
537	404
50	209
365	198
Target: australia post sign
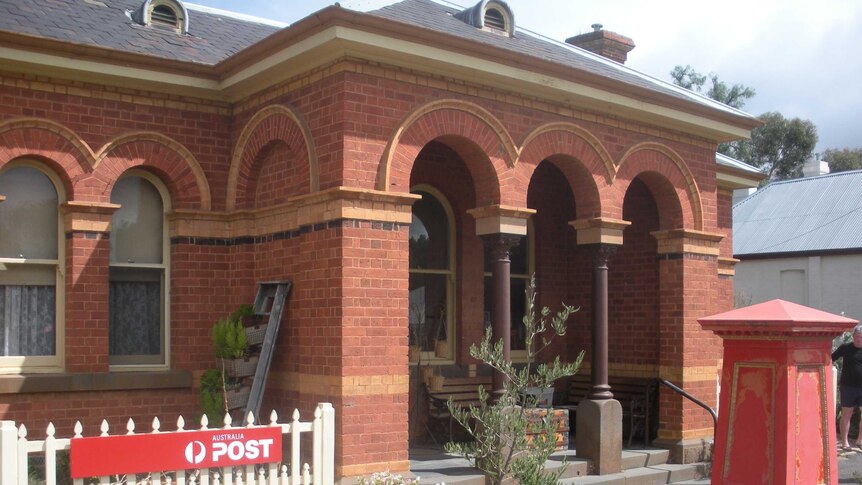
124	454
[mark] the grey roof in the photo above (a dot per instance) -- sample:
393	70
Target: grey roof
810	214
214	37
434	16
211	38
726	161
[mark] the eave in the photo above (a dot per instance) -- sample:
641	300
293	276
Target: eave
334	33
734	178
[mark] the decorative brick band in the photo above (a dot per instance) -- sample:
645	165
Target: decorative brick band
277	236
727	266
369	468
600	230
687	242
87	216
339	203
499	219
379	385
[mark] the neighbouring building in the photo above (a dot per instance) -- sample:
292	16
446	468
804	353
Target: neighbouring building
158	159
799	240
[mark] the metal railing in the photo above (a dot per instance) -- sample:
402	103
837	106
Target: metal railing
675	388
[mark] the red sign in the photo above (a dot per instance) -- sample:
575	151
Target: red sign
140	453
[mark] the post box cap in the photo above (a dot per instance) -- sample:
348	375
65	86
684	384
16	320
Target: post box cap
777	317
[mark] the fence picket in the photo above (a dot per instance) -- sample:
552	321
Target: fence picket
294	449
50	455
22	455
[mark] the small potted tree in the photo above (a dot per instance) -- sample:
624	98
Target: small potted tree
231	346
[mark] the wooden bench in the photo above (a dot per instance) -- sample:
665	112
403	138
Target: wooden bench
636	396
464	392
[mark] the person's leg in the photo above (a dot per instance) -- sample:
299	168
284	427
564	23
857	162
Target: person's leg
846	414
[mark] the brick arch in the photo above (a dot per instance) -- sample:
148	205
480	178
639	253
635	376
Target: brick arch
180	170
275	122
668	178
577	153
68	155
474	133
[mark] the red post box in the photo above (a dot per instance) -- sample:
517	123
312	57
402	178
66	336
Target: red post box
776	422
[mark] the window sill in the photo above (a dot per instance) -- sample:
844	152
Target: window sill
101	381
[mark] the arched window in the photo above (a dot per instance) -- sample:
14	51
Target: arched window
432	276
30	280
138	310
522	267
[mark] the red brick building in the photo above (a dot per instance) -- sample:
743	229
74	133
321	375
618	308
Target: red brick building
156	161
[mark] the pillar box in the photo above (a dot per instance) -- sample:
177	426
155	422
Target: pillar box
776	421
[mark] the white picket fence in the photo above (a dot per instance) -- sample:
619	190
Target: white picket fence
16	450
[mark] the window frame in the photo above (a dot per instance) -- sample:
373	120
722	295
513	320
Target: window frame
430	357
165	267
43	363
520	355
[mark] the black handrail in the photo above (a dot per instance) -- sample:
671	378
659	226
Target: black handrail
693	399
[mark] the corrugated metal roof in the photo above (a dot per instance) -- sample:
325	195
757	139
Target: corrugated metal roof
726	161
810	214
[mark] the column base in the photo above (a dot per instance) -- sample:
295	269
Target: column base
599	435
694	450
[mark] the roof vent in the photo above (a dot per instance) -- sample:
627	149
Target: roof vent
163	14
490	15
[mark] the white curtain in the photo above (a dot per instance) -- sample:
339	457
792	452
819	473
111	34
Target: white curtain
27	320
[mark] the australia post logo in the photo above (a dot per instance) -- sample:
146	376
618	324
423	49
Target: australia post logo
229	448
124	454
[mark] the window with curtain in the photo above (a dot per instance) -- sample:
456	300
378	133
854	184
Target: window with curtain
29	258
431	276
136	294
519	277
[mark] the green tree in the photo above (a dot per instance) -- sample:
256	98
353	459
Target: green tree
844	159
734	96
500	446
779	147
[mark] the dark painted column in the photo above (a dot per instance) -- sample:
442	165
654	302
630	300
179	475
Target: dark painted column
599	362
499	246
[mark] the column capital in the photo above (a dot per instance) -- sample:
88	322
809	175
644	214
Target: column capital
682	241
600	230
87	216
500	219
601	253
500	245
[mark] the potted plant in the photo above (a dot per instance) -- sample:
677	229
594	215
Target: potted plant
441	344
230	341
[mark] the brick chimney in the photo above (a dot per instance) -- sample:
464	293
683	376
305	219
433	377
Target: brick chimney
604	43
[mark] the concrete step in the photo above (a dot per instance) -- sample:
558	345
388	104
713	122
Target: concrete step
660	474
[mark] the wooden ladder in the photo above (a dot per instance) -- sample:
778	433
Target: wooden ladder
270	299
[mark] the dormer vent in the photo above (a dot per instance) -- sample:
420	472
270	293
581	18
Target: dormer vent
494	19
490	15
163	14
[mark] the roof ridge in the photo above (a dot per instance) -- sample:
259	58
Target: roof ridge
235	15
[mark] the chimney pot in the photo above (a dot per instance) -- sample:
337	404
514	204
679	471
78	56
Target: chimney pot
597	27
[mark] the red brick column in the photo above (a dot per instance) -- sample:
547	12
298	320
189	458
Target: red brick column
88	251
688	355
372	411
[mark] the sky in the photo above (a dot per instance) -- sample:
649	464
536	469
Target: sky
802	57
